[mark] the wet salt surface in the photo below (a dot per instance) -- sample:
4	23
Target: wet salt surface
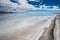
9	20
21	24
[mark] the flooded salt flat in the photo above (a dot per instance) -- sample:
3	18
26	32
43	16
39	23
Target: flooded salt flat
15	24
24	25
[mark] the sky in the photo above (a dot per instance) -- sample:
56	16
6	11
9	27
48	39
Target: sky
45	2
23	5
40	4
52	2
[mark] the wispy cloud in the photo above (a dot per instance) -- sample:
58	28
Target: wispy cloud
49	7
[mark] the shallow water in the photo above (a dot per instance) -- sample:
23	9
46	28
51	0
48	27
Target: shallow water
36	12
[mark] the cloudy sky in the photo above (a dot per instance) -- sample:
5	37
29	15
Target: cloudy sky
20	5
46	2
38	3
50	4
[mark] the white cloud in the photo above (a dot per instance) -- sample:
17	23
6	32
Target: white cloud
25	5
44	7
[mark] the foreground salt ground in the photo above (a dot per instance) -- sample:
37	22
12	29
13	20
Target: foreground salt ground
22	27
57	28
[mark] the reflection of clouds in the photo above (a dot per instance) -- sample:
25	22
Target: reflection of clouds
13	22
